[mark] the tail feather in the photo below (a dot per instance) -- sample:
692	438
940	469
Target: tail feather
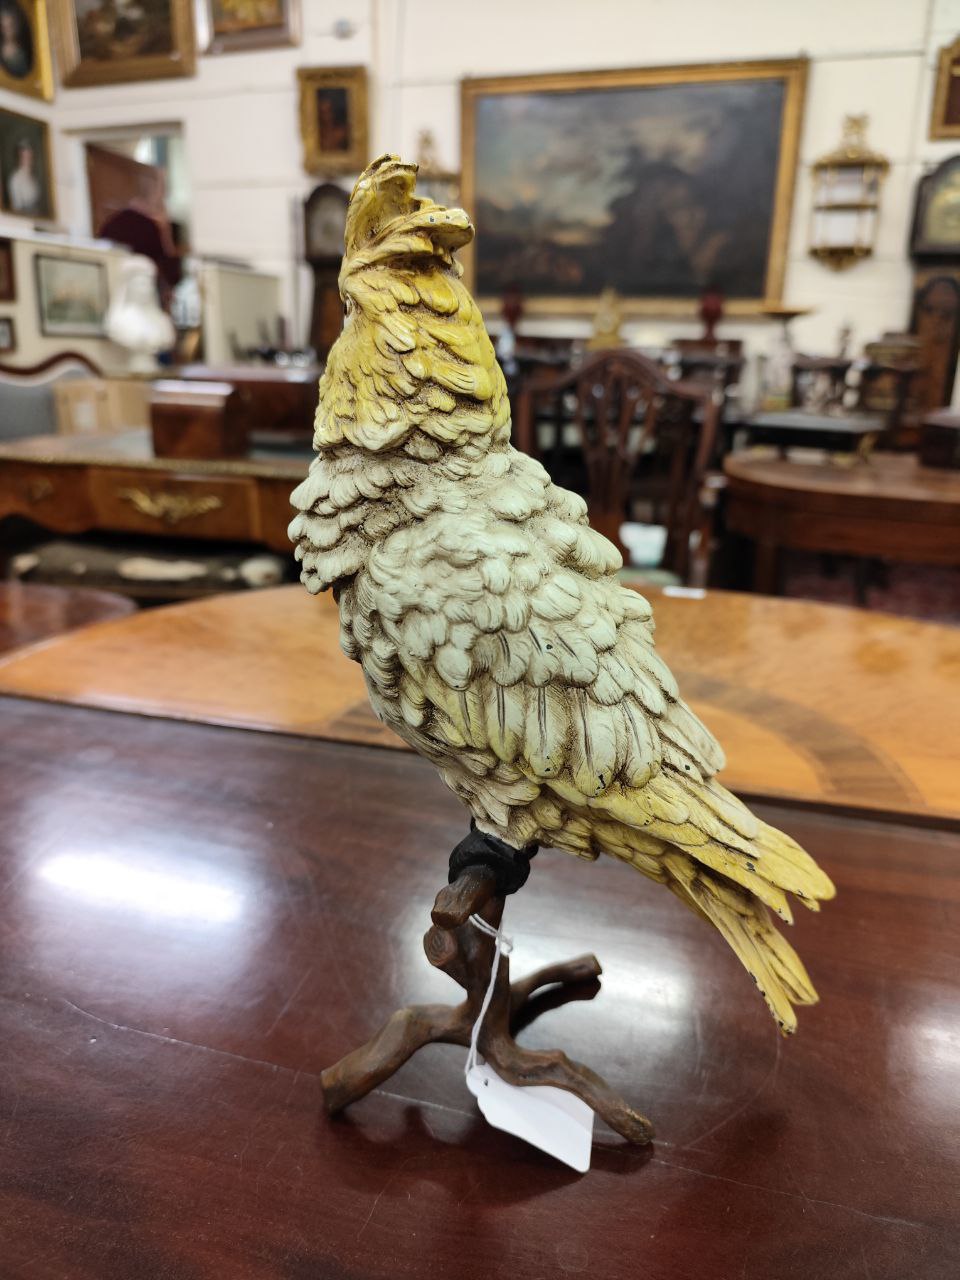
743	921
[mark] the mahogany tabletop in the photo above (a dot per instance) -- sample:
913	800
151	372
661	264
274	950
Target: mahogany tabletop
814	704
31	612
891	479
195	920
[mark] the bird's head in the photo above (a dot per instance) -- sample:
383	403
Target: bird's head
413	354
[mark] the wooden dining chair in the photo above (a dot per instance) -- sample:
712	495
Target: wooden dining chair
624	412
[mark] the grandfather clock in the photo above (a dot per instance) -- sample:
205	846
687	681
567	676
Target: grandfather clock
324	220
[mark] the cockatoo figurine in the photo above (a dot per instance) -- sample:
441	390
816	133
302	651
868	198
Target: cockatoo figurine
487	616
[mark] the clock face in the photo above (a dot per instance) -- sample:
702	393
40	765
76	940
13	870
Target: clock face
326	220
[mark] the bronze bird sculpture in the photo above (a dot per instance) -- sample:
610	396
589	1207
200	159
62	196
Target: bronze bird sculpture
493	633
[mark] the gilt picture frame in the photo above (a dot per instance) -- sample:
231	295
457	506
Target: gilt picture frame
333	119
25	64
241	26
98	43
659	182
945	109
26	167
72	296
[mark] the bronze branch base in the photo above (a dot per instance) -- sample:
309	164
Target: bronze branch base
461	950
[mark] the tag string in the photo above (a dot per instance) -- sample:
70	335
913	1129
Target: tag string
502	946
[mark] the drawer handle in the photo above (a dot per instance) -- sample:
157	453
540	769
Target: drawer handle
168	507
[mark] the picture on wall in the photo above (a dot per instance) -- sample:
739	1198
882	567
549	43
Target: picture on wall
71	296
659	183
8	281
114	41
26	179
935	233
333	118
8	336
236	25
25	48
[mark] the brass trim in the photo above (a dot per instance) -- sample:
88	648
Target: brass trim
170	508
793	72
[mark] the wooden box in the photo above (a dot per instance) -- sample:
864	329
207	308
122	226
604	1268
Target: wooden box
198	420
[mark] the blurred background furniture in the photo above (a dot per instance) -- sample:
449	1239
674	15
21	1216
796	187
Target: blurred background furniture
28	405
638	436
888	507
32	613
116	483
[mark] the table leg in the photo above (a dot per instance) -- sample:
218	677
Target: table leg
766	568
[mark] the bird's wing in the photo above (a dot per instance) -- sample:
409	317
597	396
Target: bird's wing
515	641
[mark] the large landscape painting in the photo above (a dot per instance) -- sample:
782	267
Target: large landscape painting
657	189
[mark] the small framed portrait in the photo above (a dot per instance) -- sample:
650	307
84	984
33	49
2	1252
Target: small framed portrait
71	296
936	217
25	48
8	335
333	118
26	177
8	281
115	41
233	26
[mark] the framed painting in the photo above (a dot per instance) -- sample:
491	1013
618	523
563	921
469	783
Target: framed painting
8	335
945	114
110	42
26	175
659	183
71	296
25	48
935	233
333	118
8	280
233	26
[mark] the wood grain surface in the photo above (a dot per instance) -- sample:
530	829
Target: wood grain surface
29	613
194	921
813	703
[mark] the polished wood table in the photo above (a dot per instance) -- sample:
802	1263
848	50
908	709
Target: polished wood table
29	613
195	920
77	484
814	704
887	507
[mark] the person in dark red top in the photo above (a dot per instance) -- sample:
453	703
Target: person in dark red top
144	227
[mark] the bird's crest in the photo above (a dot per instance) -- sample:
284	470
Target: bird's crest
413	354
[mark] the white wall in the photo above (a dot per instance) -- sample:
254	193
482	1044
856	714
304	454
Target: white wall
239	115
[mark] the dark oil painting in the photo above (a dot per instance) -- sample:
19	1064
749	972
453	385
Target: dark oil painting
655	190
111	31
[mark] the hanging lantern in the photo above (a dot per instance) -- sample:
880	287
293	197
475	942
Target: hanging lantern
846	199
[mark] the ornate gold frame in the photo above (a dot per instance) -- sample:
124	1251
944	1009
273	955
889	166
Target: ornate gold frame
279	36
792	71
48	159
40	83
938	126
77	72
354	80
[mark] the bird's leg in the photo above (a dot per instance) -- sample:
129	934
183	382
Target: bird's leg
553	1067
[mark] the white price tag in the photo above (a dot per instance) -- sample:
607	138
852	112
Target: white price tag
551	1119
